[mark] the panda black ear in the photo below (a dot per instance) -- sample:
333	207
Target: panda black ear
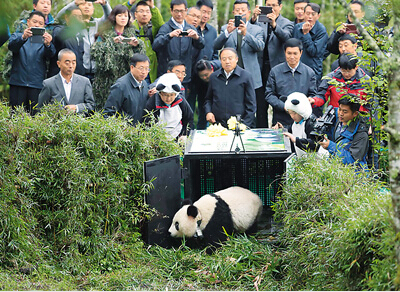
176	87
160	87
192	211
186	202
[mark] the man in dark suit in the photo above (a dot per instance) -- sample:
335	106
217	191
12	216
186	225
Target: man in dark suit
73	91
230	92
248	40
128	96
286	78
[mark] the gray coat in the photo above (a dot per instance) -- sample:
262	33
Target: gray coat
283	31
81	93
127	99
252	43
281	82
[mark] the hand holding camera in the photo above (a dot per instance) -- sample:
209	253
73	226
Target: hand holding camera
240	24
175	33
27	34
47	38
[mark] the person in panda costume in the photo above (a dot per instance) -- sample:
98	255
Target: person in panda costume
206	222
300	110
169	107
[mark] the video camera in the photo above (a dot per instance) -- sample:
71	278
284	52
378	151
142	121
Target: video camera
323	125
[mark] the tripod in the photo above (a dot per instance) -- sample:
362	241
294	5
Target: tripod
237	134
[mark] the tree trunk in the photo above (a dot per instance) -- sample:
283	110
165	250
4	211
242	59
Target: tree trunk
227	10
394	129
158	4
214	16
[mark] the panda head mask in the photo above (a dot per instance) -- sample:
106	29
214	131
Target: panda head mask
168	86
298	102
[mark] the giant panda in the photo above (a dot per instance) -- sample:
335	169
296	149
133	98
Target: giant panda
207	219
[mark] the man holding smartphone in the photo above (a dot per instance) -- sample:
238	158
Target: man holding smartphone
276	32
247	39
29	63
345	28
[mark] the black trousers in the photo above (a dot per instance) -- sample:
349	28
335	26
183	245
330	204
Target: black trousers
24	96
262	108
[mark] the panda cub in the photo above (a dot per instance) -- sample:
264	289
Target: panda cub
232	209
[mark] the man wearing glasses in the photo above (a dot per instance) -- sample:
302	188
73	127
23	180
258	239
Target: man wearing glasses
128	96
148	20
193	16
177	40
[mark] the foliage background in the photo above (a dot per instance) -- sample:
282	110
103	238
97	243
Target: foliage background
71	186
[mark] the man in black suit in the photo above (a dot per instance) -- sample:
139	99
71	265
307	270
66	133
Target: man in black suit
73	91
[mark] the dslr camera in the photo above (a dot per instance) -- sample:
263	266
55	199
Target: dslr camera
323	125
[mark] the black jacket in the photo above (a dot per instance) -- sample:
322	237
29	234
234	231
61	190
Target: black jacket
176	48
127	99
226	98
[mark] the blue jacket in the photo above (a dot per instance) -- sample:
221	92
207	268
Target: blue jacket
226	98
282	32
314	45
29	61
252	43
352	144
281	82
176	48
209	34
126	99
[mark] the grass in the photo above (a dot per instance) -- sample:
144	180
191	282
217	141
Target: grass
236	266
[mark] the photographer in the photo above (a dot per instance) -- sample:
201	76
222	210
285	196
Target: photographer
88	34
29	62
177	40
147	23
115	45
350	135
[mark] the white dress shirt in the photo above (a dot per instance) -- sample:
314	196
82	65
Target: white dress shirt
67	87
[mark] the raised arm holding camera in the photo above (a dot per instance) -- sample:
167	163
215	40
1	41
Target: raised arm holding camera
29	62
177	40
277	30
116	43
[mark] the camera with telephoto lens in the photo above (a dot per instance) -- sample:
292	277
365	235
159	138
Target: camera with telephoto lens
323	124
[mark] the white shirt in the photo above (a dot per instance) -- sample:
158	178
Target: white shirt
179	25
139	83
228	74
171	118
298	130
293	69
67	87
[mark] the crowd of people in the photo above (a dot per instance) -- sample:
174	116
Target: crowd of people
131	63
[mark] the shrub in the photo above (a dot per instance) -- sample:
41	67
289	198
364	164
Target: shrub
337	228
73	186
